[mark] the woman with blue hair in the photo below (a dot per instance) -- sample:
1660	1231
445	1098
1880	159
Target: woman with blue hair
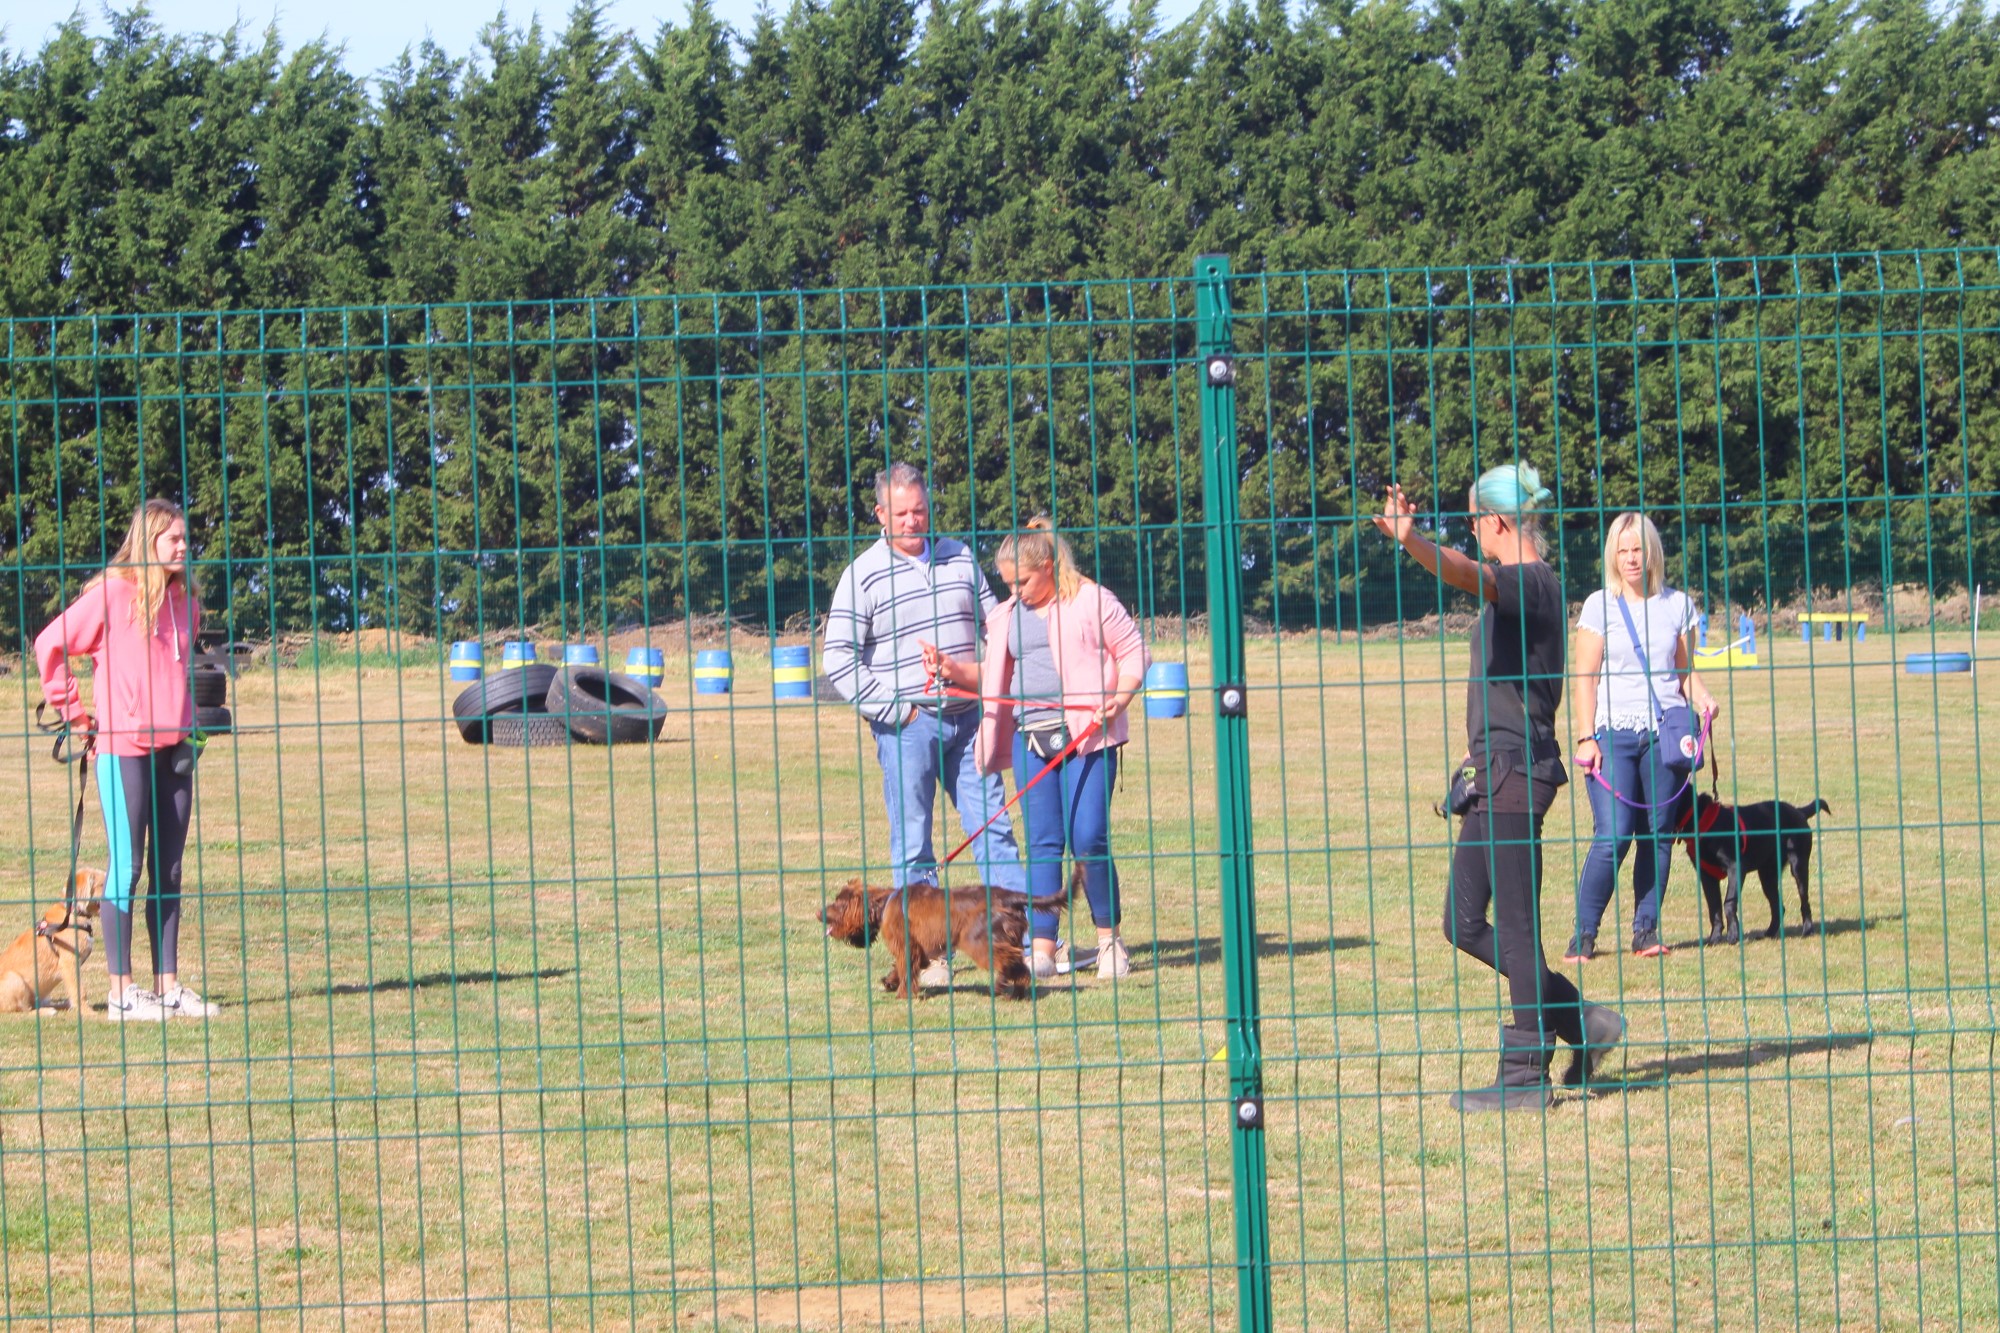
1514	765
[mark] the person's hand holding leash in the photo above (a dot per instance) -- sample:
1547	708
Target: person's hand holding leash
1589	755
947	669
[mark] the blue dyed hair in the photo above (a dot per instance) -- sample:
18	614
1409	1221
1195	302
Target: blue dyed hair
1514	491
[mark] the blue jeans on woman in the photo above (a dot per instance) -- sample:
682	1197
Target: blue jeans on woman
1070	809
1632	766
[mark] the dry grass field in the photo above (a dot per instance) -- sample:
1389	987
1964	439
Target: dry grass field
552	1039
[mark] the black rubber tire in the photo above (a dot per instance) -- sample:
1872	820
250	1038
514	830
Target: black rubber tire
604	707
509	693
529	730
213	721
210	686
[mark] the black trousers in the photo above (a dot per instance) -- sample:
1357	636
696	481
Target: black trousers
1498	863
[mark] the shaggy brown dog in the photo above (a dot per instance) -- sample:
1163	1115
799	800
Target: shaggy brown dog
923	921
51	953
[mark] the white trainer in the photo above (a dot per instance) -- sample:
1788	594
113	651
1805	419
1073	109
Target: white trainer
180	1002
136	1005
936	974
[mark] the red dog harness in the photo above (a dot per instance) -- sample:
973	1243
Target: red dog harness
1709	820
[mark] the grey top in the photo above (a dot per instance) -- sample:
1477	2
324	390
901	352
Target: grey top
1621	690
886	605
1035	675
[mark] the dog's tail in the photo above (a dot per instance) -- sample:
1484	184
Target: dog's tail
1818	804
1057	901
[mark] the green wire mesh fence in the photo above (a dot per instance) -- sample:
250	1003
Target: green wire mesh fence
554	1036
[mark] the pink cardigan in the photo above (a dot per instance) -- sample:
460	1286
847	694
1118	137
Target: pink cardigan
1093	640
140	681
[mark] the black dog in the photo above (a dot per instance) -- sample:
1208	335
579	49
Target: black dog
1725	842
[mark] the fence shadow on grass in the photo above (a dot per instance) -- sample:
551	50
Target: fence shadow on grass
488	977
1270	944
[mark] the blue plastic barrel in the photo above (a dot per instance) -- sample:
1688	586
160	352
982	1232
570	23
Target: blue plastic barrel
712	671
516	653
580	654
648	665
468	660
1166	689
792	671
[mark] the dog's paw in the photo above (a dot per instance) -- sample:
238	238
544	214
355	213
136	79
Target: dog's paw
892	982
1774	932
1732	933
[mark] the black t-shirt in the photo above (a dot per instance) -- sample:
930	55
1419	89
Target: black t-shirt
1517	654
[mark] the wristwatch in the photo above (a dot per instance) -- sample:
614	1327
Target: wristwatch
1591	737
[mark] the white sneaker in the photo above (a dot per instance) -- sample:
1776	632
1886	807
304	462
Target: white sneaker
936	974
1046	965
136	1005
1112	960
180	1002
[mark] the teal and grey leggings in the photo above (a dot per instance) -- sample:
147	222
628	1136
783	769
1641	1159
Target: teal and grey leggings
146	805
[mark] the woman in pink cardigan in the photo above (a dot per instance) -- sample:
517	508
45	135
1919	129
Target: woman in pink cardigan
1065	655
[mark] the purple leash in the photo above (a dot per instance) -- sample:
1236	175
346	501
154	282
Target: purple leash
1707	730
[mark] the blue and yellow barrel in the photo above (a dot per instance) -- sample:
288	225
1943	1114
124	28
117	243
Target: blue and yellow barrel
517	653
712	671
647	665
580	654
792	671
468	660
1166	689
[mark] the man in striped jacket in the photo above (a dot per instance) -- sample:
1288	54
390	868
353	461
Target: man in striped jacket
906	590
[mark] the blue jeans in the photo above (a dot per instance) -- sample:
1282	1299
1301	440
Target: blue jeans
1632	766
1070	809
937	749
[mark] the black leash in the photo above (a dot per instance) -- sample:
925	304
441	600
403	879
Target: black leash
68	750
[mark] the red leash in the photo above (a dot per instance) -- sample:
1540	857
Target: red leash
955	692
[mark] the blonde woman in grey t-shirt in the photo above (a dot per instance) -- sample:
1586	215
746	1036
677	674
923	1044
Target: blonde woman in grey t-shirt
1632	792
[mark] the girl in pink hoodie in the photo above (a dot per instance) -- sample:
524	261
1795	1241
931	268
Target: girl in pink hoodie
136	623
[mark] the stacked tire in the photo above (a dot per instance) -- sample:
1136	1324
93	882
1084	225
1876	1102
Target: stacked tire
509	708
542	705
210	687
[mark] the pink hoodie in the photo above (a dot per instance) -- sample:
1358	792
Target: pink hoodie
1094	641
140	681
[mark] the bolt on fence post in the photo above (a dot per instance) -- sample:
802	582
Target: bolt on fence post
1217	379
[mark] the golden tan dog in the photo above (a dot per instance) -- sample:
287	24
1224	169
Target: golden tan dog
52	952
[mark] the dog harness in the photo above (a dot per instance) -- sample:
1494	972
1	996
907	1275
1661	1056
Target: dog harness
1708	822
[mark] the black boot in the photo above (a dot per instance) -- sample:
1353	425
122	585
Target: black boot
1523	1084
1602	1029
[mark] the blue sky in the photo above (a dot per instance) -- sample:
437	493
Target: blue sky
377	31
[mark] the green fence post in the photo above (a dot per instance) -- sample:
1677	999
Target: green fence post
1232	790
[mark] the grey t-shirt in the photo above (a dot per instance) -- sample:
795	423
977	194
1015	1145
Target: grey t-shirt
1661	620
1035	675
